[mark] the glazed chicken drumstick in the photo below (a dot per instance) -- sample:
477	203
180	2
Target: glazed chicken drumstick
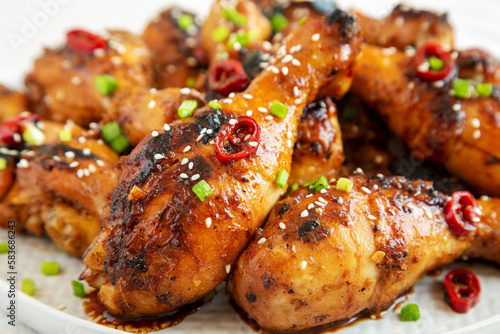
330	255
161	246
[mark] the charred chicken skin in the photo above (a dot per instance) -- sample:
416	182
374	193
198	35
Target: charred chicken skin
332	255
160	246
62	84
460	133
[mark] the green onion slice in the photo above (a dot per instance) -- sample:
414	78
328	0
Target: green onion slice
50	268
105	84
461	88
484	89
185	21
3	163
279	22
4	248
233	15
221	33
28	286
78	289
214	104
186	108
279	109
282	178
202	190
410	312
435	63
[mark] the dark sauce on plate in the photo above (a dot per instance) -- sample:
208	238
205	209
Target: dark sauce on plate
96	311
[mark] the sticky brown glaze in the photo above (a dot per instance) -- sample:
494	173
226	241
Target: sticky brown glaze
157	251
60	190
424	118
256	24
11	103
62	83
406	26
177	54
353	252
142	110
318	150
7	175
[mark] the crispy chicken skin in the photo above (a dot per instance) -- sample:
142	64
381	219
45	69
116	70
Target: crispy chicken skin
434	125
353	252
176	53
406	26
62	83
11	103
158	250
318	150
60	189
141	110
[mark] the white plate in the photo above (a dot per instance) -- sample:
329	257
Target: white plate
475	25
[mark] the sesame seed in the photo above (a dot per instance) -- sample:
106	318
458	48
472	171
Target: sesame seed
340	200
282	226
322	191
284	70
172	69
310	195
399	21
289	134
183	176
76	80
424	67
261	241
191	164
69	154
154	134
380	176
454	55
212	142
267	45
366	190
249	113
358	171
228	268
74	164
289	143
372	217
186	149
425	25
184	161
476	123
303	265
203	130
56	158
287	59
66	64
410	51
411	85
195	177
315	38
246	137
166	127
159	156
92	168
82	139
321	199
438	84
151	104
296	91
17	137
247	96
153	90
295	48
262	109
456	107
86	172
23	163
295	62
209	131
233	121
192	61
304	213
208	221
253	143
298	101
318	203
79	173
389	51
476	134
94	125
310	206
228	101
269	118
231	95
200	137
62	307
275	70
100	163
116	60
185	91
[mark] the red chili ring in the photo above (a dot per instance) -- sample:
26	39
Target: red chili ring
229	133
227	76
12	126
462	289
83	41
461	213
436	50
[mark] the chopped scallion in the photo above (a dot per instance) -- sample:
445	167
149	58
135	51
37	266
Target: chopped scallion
33	135
282	178
190	82
65	135
221	33
279	109
3	163
320	183
186	108
185	21
50	268
233	15
462	88
484	89
110	131
4	248
28	286
279	22
435	63
202	190
105	84
344	184
243	38
119	144
410	312
214	104
78	289
303	20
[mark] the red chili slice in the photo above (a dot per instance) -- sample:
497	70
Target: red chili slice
436	50
462	289
234	138
83	41
462	213
227	76
12	126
